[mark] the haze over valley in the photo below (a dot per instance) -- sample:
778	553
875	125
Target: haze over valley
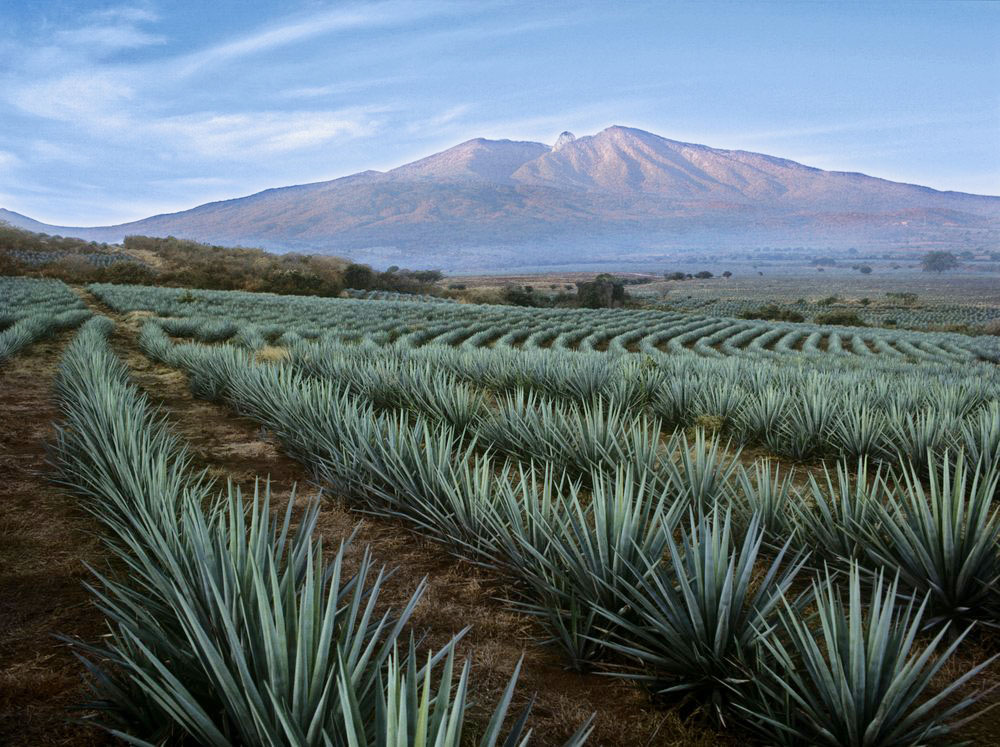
621	195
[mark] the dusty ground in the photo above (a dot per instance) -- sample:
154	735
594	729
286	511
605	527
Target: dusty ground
45	539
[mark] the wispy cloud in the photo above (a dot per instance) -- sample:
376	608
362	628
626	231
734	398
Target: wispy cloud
129	13
110	30
449	116
866	124
109	38
286	32
261	133
92	98
339	88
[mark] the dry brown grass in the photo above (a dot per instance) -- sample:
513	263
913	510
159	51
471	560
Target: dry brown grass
271	354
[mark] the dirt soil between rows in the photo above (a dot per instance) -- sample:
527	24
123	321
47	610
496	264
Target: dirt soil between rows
45	540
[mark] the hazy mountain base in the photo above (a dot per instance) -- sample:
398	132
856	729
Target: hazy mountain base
622	194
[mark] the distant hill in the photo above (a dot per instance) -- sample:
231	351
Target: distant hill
620	195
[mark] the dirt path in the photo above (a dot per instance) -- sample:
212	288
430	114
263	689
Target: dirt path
45	539
458	593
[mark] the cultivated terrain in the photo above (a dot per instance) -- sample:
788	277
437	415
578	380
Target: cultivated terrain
698	527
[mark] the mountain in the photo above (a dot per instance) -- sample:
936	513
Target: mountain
620	195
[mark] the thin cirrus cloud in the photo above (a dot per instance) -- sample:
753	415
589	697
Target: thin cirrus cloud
79	89
263	133
114	100
109	37
307	27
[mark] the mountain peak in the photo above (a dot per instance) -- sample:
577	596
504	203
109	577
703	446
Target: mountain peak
565	138
477	159
501	203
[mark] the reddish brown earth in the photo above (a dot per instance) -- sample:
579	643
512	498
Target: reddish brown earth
45	539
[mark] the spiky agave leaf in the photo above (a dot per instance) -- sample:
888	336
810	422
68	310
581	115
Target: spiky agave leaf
832	518
703	469
981	436
767	494
854	675
694	617
575	554
413	710
942	538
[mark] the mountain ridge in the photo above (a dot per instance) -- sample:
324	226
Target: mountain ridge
487	202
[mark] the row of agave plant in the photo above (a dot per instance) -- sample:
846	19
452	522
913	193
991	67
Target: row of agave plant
228	625
619	331
876	412
814	618
792	413
21	296
34	327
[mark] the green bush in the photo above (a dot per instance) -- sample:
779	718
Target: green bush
773	311
846	318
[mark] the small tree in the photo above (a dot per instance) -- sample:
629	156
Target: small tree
939	261
865	269
703	275
727	274
361	277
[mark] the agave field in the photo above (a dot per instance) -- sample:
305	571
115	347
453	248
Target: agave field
789	529
32	309
936	314
653	333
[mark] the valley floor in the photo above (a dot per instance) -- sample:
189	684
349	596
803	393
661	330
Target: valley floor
48	540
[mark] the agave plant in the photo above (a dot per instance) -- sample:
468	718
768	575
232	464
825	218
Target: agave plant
703	469
576	555
942	538
921	437
981	435
860	431
763	413
675	401
413	711
768	495
832	522
811	418
693	619
854	675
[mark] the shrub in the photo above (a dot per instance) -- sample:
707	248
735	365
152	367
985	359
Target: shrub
846	318
773	311
907	299
939	261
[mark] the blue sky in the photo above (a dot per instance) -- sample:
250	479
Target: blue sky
113	112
